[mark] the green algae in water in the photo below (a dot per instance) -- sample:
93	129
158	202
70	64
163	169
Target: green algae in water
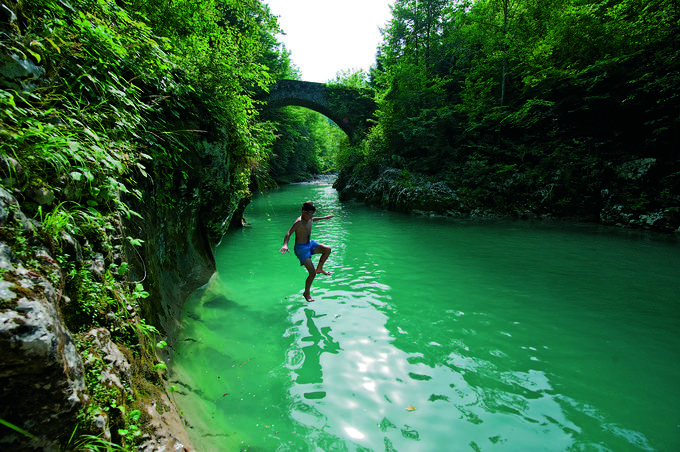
433	334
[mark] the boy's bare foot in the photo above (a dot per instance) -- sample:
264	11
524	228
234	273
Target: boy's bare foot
308	297
322	272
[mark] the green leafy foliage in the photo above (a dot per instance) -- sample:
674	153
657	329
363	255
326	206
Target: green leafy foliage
351	79
557	91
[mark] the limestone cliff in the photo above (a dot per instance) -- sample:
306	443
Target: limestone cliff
48	373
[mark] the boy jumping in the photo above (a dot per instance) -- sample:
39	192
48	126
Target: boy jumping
305	246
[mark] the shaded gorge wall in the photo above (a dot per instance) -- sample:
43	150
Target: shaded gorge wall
108	220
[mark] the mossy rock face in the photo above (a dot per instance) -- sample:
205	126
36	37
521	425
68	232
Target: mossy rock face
53	380
625	195
401	191
41	385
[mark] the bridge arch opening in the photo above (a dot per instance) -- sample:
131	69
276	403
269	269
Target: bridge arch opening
351	109
343	123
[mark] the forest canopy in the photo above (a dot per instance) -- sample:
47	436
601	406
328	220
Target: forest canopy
551	97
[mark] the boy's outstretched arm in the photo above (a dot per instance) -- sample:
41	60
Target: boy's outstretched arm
327	217
284	248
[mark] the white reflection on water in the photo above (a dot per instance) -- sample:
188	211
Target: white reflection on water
376	394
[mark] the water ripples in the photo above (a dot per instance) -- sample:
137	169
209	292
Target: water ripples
424	339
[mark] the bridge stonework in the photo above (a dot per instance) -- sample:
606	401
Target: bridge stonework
350	108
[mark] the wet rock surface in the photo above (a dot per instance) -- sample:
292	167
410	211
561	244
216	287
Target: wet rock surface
41	373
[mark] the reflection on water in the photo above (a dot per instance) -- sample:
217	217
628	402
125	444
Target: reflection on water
431	335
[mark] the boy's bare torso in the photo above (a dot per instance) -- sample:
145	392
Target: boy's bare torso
303	230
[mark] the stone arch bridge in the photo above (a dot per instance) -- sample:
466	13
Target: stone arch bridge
350	108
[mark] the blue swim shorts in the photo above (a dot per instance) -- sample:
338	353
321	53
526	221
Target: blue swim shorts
303	251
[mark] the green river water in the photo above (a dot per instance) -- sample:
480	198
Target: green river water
432	334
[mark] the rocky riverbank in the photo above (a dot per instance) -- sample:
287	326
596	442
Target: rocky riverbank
629	194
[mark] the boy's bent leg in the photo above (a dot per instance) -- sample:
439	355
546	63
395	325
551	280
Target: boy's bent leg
308	282
325	251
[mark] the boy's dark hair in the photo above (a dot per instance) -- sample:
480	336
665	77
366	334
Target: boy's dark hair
309	207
